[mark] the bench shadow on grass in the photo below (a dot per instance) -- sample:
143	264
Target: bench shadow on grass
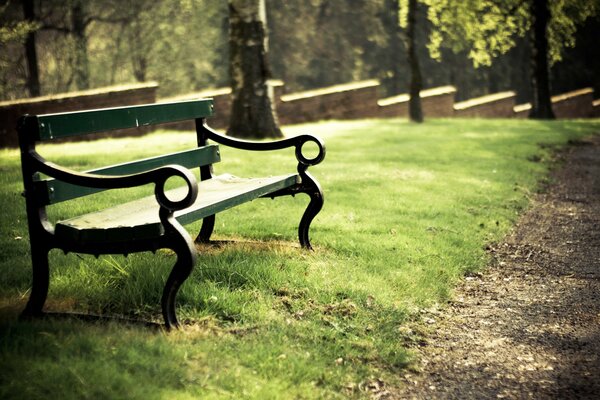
11	313
215	246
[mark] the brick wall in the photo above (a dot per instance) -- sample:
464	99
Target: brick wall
435	103
347	101
498	105
521	110
113	96
574	104
222	105
596	108
355	100
222	108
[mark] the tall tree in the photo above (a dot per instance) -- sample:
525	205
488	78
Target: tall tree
79	23
394	52
71	20
33	75
489	28
252	108
141	35
415	112
541	106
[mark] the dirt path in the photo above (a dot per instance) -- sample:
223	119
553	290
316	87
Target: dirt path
529	326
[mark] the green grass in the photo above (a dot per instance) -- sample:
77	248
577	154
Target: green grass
408	211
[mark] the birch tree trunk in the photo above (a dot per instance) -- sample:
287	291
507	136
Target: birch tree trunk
252	107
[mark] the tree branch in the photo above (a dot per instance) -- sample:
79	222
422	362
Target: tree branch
108	20
62	29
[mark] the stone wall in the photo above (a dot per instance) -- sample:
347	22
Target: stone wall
498	105
113	96
575	104
435	103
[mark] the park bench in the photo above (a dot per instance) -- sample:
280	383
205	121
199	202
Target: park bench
154	222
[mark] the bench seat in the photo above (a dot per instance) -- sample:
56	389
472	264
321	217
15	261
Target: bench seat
139	219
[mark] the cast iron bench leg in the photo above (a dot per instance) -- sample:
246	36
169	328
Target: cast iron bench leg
181	243
208	225
313	189
40	281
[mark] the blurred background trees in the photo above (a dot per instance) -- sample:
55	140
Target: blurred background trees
488	29
183	45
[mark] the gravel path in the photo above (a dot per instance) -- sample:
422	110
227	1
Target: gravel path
528	326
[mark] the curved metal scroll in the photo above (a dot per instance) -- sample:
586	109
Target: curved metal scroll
309	185
297	141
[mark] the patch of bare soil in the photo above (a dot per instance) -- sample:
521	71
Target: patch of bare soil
528	326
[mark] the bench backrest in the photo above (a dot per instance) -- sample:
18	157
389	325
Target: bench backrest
49	127
79	123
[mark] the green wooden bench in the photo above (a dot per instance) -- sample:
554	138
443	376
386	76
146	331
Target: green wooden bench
154	222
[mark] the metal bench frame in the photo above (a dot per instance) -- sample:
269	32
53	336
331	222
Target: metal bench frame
33	129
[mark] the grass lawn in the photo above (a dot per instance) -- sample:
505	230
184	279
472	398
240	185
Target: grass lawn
409	210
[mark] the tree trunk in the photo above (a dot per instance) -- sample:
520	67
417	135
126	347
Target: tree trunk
394	79
541	105
33	74
415	112
139	59
82	69
252	109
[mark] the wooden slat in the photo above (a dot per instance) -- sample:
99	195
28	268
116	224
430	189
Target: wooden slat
53	126
139	219
52	191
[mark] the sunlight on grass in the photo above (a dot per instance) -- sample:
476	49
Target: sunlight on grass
409	209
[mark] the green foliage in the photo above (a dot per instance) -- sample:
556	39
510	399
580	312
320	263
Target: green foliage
487	29
567	16
166	31
183	45
177	43
160	41
480	27
305	58
408	210
15	31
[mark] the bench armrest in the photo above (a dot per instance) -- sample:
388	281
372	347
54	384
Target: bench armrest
297	141
158	176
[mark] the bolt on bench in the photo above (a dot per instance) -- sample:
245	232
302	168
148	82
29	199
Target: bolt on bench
153	222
